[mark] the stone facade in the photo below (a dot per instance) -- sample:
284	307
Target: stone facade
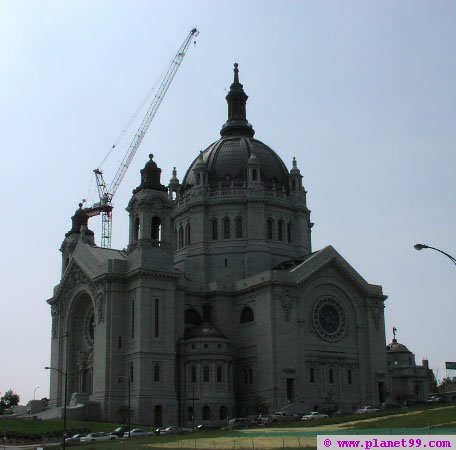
218	307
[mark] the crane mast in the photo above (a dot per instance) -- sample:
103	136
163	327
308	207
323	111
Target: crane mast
104	206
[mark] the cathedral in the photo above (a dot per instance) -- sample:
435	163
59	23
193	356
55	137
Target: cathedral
218	307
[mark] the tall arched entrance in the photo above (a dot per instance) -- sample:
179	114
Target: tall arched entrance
81	336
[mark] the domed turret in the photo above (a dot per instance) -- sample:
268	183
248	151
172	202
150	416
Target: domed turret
150	177
80	219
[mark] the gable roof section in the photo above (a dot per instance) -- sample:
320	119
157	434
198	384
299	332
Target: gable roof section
327	256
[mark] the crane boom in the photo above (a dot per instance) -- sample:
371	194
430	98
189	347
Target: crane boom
104	206
161	92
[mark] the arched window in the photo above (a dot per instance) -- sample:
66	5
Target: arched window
270	229
293	185
246	315
137	229
158	416
289	230
219	374
156	373
181	237
222	412
156	228
214	229
226	228
187	234
193	374
280	230
206	413
238	228
206	374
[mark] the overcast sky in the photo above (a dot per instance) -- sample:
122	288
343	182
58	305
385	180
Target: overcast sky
362	93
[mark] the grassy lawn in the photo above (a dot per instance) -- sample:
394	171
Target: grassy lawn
31	426
438	416
435	416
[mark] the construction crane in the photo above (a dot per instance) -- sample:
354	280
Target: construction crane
104	206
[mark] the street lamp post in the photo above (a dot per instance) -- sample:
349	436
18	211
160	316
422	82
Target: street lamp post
423	246
64	401
129	402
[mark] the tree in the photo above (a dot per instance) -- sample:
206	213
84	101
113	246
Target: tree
8	400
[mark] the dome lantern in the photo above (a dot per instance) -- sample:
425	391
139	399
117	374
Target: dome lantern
237	124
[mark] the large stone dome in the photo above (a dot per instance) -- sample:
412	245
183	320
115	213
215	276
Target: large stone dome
226	163
226	160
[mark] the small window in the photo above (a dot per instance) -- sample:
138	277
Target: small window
226	228
137	229
312	375
187	234
206	413
120	342
219	374
331	376
293	185
350	376
175	239
193	374
132	318
132	375
222	413
246	376
254	175
198	179
156	228
214	229
289	229
181	237
206	374
189	413
238	228
246	315
280	230
270	229
157	319
156	373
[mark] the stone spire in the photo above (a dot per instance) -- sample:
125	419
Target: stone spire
237	124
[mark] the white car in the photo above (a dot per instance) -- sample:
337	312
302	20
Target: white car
169	430
314	415
366	409
98	437
138	432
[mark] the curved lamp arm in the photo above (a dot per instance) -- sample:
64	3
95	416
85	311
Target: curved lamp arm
422	246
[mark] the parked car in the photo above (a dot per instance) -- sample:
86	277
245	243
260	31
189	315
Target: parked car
98	437
119	432
138	432
76	437
314	416
168	430
435	399
278	414
366	409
